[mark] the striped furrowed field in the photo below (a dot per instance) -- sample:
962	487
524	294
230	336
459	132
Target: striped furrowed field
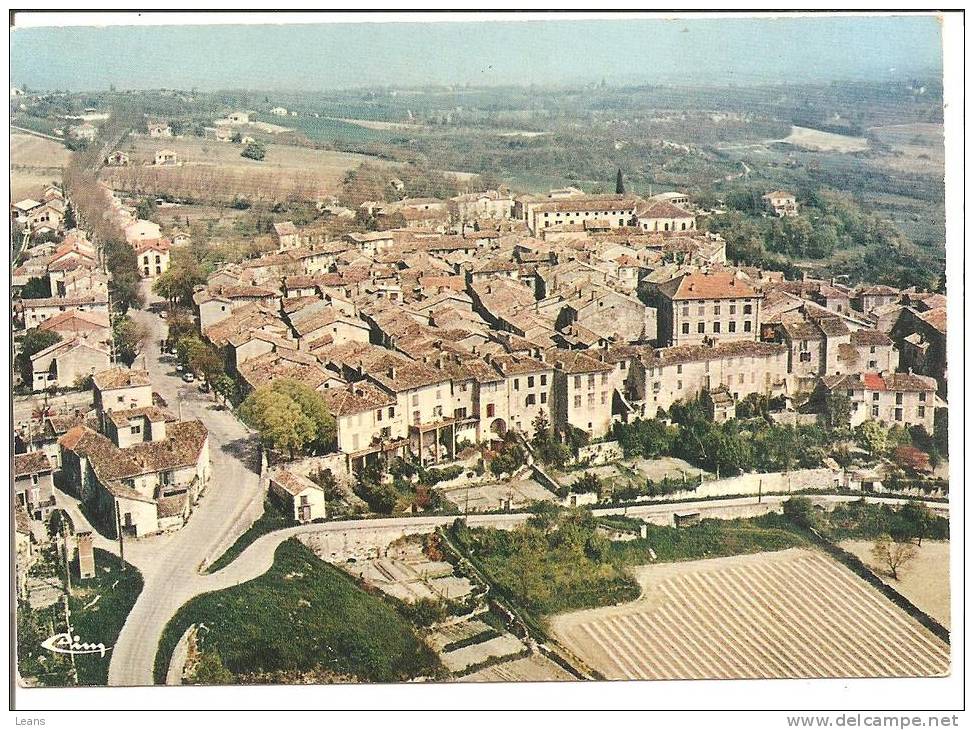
794	613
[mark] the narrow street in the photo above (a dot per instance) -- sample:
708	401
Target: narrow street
170	563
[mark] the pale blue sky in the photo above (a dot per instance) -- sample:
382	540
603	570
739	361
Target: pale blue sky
325	56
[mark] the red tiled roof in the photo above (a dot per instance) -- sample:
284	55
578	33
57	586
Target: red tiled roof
712	285
33	462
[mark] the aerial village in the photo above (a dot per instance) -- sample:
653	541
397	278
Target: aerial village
479	355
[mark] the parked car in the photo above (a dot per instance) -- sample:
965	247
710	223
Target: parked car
189	377
204	387
179	367
162	314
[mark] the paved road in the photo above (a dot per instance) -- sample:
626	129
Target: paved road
169	563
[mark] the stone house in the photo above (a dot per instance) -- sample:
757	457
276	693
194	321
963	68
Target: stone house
303	500
901	399
699	307
38	311
663	216
34	483
660	378
64	363
781	202
583	391
146	487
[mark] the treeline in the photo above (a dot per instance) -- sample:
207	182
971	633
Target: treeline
730	448
832	232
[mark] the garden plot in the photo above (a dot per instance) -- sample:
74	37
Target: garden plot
534	668
669	467
446	634
407	574
795	613
497	496
468	656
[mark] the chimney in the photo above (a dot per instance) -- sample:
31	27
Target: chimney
86	555
391	372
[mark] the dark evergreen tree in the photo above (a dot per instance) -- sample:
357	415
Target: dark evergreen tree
620	186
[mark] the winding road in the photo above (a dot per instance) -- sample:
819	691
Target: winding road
171	563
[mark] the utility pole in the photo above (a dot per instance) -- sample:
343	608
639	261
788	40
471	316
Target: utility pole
67	621
118	529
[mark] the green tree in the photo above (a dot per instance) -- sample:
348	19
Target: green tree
381	498
123	267
254	151
188	268
226	387
940	430
838	410
801	511
873	438
892	555
620	185
33	341
289	416
917	519
200	357
146	208
37	287
545	442
129	337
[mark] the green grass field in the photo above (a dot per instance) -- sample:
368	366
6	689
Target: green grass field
99	607
272	519
326	130
301	615
547	571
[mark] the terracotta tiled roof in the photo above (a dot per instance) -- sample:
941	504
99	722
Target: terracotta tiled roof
74	320
589	203
293	484
152	413
72	301
406	375
33	462
897	382
662	209
870	337
360	397
575	362
936	318
518	364
710	285
700	353
121	378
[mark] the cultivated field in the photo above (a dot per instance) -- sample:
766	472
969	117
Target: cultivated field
35	162
794	613
215	171
917	148
814	139
925	581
